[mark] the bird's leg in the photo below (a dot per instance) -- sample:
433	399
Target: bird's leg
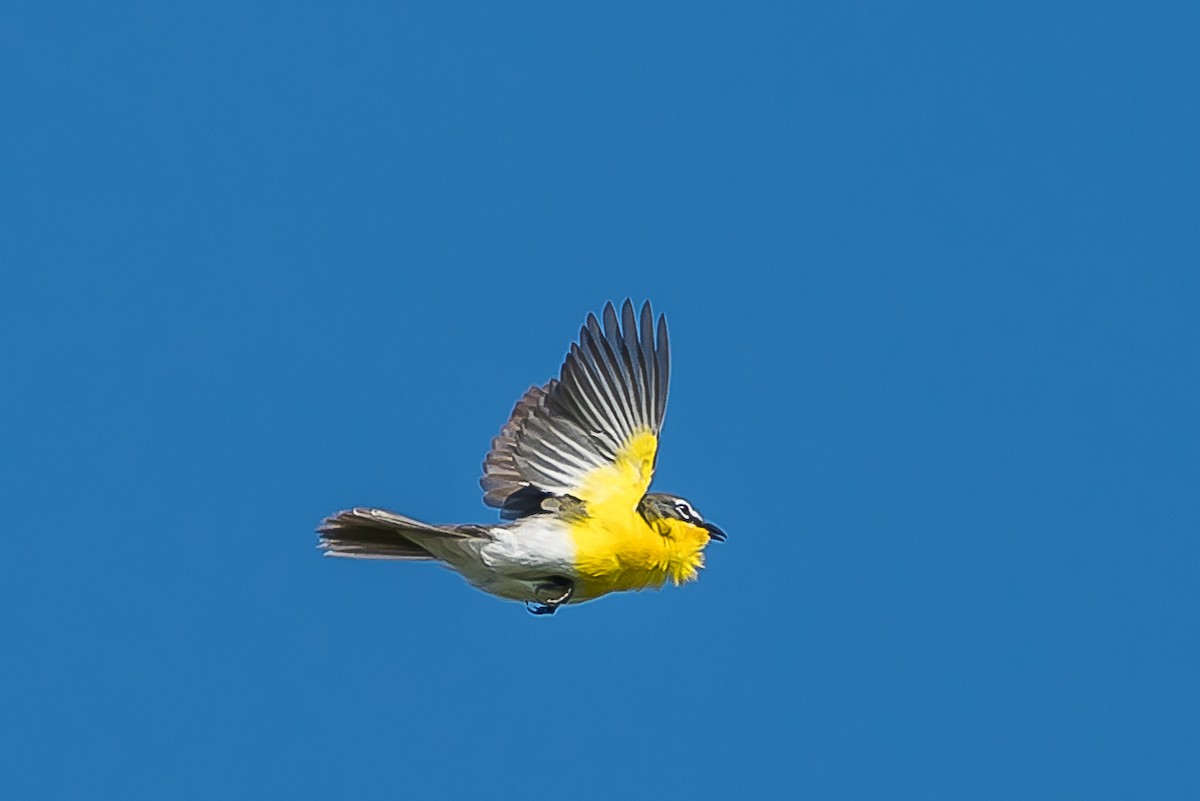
550	594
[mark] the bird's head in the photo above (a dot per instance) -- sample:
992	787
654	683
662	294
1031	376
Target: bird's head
660	507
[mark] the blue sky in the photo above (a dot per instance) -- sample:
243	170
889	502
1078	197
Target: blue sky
931	276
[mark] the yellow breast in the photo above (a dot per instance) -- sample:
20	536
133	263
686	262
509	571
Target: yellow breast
616	549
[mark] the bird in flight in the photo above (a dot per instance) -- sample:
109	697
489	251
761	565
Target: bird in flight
569	473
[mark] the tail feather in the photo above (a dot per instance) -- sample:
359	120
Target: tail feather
378	534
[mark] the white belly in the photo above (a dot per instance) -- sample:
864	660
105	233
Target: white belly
521	556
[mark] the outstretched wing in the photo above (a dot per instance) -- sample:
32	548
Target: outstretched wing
592	433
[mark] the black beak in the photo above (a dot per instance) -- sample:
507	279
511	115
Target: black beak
714	531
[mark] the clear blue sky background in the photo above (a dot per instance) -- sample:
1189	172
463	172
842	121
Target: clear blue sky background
931	274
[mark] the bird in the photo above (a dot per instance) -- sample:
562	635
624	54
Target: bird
570	474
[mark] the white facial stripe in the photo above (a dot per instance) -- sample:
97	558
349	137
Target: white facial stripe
685	509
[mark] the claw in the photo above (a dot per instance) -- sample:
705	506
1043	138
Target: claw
548	605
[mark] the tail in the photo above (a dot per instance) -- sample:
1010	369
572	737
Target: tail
379	534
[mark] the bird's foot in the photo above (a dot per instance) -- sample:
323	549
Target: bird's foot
550	595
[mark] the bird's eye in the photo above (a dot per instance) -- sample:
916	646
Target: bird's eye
685	511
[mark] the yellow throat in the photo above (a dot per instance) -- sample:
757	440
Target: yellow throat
624	552
615	547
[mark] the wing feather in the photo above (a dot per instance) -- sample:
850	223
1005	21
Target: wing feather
582	396
662	358
600	359
641	375
592	433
